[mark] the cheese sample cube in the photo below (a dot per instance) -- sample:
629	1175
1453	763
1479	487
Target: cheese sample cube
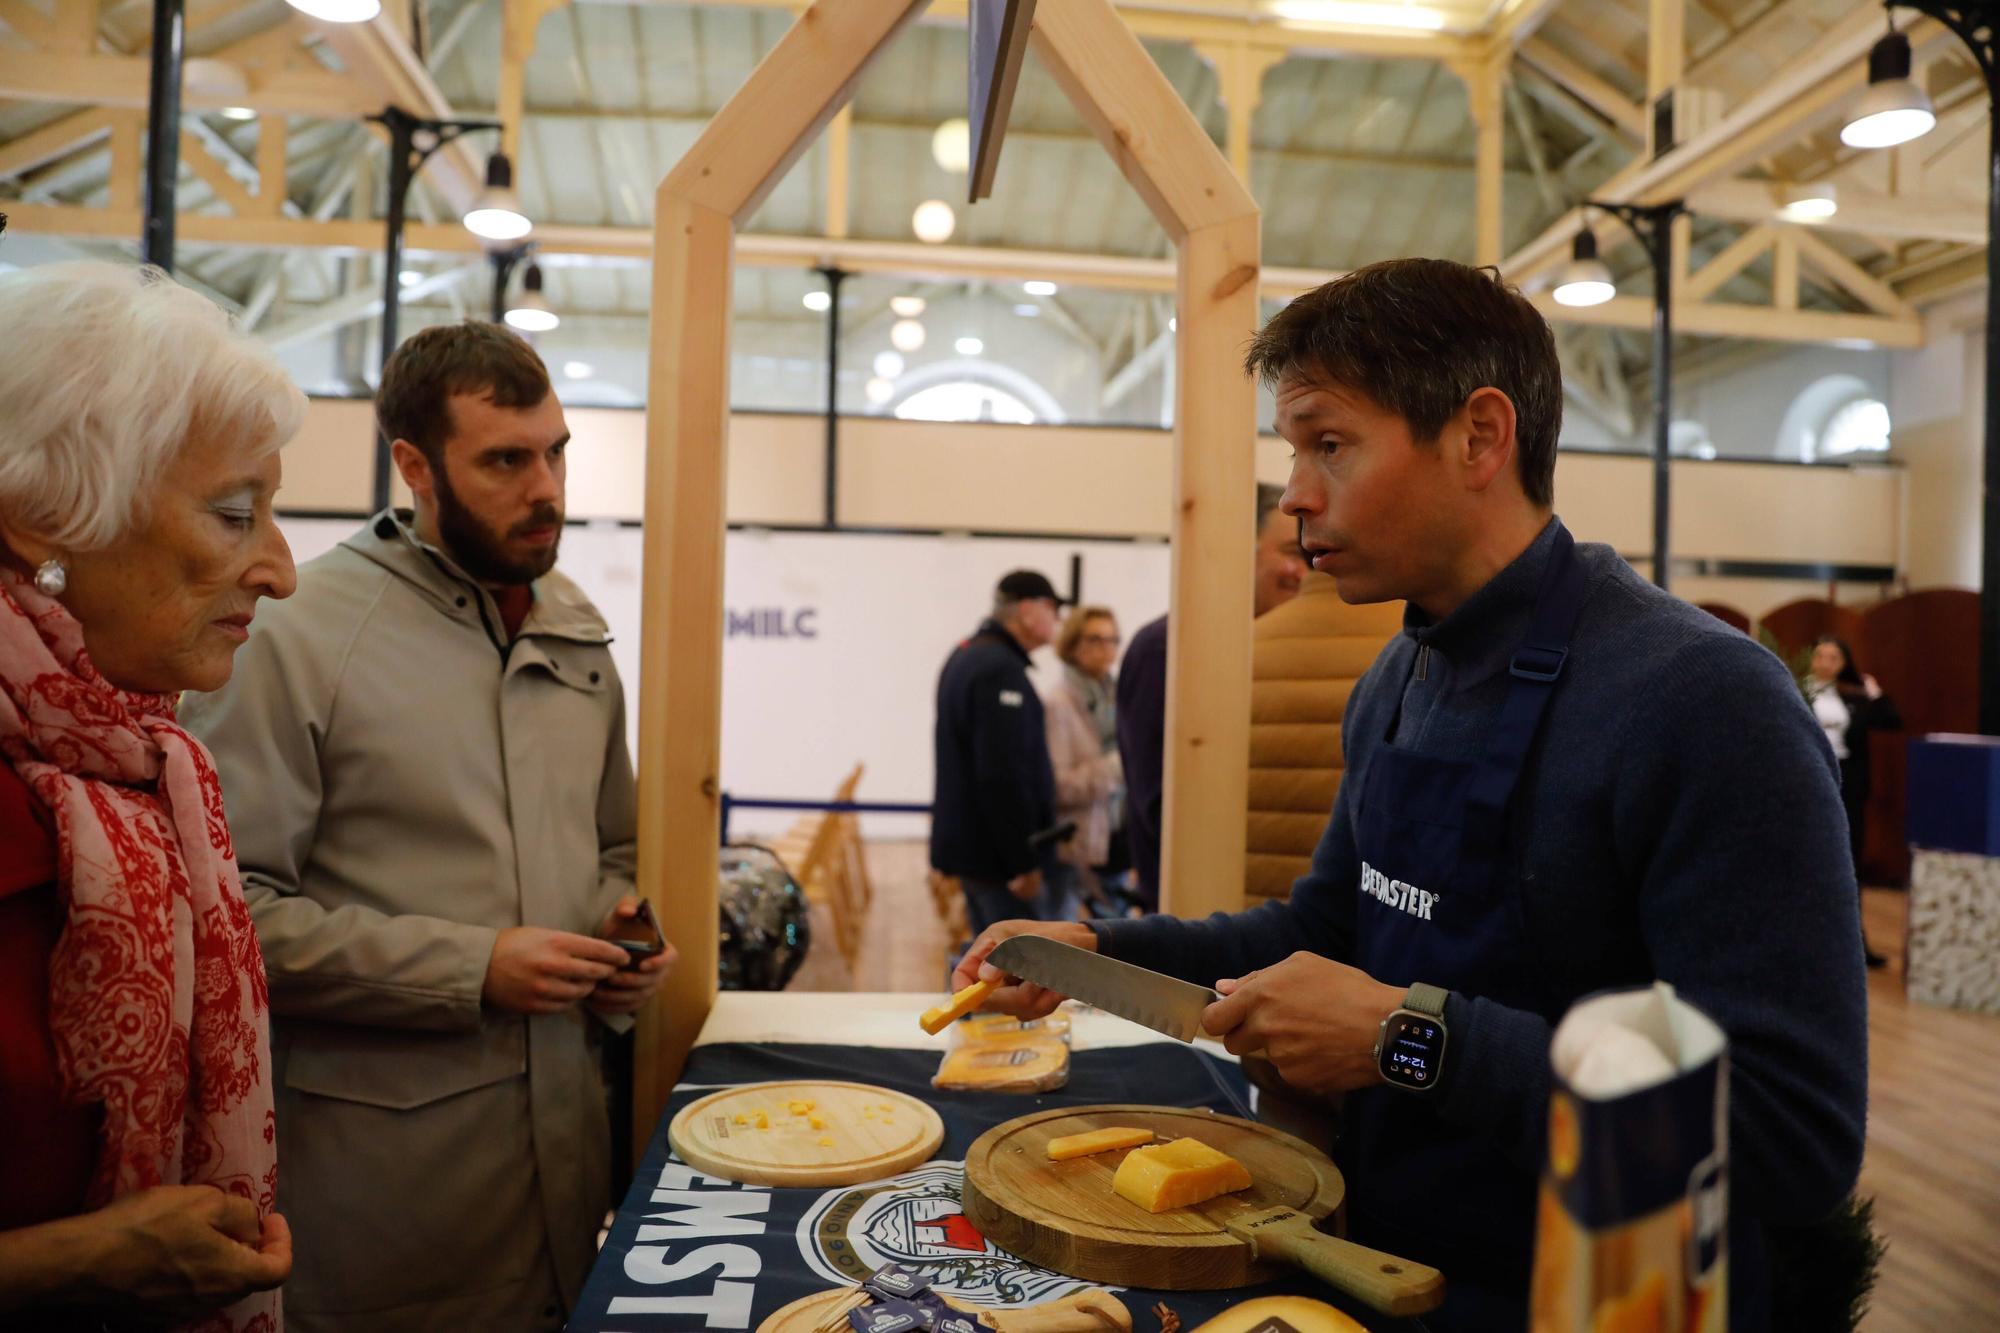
1097	1140
1177	1174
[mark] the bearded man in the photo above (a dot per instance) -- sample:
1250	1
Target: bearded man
426	774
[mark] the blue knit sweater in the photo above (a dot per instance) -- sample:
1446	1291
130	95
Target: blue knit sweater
1680	818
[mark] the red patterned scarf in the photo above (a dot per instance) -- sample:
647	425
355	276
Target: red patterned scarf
157	1000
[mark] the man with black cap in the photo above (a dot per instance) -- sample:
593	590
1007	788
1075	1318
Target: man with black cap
995	789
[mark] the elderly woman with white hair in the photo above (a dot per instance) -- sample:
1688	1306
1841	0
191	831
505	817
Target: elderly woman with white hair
138	460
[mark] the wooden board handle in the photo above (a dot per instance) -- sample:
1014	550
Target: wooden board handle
1380	1281
1082	1312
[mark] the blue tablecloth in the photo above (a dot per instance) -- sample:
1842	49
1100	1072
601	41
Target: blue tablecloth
690	1252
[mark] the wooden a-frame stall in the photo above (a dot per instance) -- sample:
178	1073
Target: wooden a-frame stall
744	152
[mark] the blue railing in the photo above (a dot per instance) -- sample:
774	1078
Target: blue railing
731	804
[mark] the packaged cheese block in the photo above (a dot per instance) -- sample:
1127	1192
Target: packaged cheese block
992	1027
1097	1140
1033	1064
1177	1174
1274	1314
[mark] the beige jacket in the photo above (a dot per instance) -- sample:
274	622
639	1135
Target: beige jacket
400	790
1085	774
1305	657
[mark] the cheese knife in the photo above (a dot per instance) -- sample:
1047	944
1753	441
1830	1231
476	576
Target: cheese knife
1160	1002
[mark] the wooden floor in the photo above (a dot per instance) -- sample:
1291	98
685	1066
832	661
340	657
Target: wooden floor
1933	1163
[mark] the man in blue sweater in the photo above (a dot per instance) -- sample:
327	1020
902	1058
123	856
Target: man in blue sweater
1559	780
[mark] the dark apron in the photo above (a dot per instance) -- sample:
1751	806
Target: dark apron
1432	907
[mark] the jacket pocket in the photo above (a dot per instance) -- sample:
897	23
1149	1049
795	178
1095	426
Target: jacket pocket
398	1069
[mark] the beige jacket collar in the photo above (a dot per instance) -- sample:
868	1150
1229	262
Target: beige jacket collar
561	610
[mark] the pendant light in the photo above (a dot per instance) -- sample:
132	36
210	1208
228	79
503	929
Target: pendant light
496	215
1585	280
1894	109
531	311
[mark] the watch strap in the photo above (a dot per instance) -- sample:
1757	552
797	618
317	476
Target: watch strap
1426	999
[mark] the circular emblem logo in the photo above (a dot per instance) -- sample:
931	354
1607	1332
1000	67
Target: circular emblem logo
916	1220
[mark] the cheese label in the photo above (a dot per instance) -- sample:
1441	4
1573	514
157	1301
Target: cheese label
895	1282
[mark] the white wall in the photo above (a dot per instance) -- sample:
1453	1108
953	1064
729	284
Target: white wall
882	611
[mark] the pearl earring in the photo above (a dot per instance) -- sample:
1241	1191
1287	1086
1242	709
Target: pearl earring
51	578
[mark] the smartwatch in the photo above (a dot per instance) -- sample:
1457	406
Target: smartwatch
1409	1048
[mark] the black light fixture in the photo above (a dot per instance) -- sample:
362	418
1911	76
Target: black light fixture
530	312
1586	280
1894	110
496	215
412	141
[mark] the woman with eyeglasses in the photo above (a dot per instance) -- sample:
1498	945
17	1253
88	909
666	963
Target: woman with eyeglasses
1082	720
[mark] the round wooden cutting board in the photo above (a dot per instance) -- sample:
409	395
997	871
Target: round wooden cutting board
1064	1215
866	1133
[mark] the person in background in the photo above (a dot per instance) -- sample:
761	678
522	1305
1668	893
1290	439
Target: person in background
1082	715
136	539
1142	690
994	787
1849	704
425	760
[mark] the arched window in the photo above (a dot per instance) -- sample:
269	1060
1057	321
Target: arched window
965	400
1860	426
1837	416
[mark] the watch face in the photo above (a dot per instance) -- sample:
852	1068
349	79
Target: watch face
1412	1050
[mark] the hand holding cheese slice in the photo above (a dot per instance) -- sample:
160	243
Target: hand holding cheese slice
1177	1174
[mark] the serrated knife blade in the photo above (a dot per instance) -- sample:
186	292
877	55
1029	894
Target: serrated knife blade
1165	1004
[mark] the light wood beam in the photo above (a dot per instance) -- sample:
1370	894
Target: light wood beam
839	171
212	173
1800	96
1239	76
1591	90
1738	255
272	184
57	139
127	129
1785	268
1849	276
1484	89
28	23
1908	217
1719	320
719	181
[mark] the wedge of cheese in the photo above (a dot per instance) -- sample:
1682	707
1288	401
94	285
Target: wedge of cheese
1097	1140
1177	1174
1294	1312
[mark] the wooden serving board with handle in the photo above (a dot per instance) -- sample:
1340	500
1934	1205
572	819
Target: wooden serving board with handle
1065	1216
865	1133
1080	1312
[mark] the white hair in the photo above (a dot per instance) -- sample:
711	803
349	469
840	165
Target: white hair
106	371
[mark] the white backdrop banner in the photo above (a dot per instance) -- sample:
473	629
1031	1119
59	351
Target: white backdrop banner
833	643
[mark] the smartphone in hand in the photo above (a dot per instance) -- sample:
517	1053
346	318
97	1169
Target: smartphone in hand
639	935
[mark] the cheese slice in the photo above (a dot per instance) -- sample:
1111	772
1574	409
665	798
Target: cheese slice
1177	1174
1294	1312
936	1020
1097	1140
